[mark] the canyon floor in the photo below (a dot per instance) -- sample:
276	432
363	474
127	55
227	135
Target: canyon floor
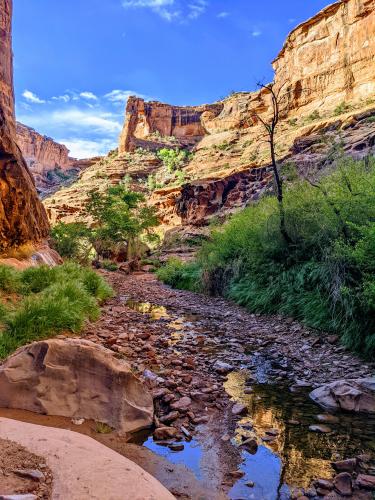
231	393
233	415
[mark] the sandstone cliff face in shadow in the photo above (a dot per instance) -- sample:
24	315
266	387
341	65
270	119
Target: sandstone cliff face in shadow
22	216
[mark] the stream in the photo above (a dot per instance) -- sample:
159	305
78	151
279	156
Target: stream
289	454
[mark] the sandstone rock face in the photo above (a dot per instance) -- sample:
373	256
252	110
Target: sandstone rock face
75	378
350	395
82	468
22	216
146	118
330	58
201	200
48	161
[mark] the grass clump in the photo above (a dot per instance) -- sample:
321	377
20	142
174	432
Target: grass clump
52	300
325	275
178	274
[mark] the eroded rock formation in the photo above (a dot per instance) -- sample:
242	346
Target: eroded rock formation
75	378
330	59
22	216
145	119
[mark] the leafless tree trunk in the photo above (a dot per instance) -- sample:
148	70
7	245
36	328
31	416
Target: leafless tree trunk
270	128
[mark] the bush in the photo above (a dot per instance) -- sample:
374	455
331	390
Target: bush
9	279
180	275
323	277
55	300
172	159
72	241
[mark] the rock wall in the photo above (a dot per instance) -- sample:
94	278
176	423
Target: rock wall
22	216
42	154
146	118
330	58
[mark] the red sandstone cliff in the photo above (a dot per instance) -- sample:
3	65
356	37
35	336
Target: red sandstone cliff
22	216
143	119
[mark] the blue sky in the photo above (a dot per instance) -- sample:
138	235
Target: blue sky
76	61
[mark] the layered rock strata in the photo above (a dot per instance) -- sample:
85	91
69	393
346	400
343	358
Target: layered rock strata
22	216
149	121
75	378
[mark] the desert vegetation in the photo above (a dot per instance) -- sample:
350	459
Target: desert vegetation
41	302
321	274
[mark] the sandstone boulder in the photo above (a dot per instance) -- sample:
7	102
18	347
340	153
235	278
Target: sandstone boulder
77	379
350	395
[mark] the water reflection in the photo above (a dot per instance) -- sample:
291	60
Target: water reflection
155	312
296	455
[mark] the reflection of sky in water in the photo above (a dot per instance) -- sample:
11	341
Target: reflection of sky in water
264	470
191	455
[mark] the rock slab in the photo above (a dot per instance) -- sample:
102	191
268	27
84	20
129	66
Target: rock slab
84	469
350	395
77	379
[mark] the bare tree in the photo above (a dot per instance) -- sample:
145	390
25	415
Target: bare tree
270	127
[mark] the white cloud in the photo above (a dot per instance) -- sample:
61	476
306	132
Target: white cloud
120	96
222	15
63	98
88	95
197	8
170	10
31	97
81	148
256	33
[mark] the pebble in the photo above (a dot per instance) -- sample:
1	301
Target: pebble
34	474
323	429
239	409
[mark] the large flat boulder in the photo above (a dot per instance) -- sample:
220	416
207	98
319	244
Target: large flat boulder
350	395
82	468
75	378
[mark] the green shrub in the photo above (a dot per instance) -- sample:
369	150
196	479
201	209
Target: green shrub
109	265
71	241
341	109
172	159
55	300
180	275
9	279
324	277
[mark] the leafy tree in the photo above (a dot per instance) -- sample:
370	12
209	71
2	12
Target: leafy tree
172	158
72	240
120	219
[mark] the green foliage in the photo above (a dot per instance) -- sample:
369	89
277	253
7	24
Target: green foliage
341	109
109	265
9	279
54	300
314	116
325	277
172	159
120	217
72	241
180	275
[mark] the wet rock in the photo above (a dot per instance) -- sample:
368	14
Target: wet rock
323	429
350	395
221	367
343	484
250	445
239	409
165	433
237	474
328	419
332	339
366	481
176	447
171	417
27	496
348	465
182	404
248	390
324	483
250	484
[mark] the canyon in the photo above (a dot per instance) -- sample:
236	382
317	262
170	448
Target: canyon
48	161
23	218
325	75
